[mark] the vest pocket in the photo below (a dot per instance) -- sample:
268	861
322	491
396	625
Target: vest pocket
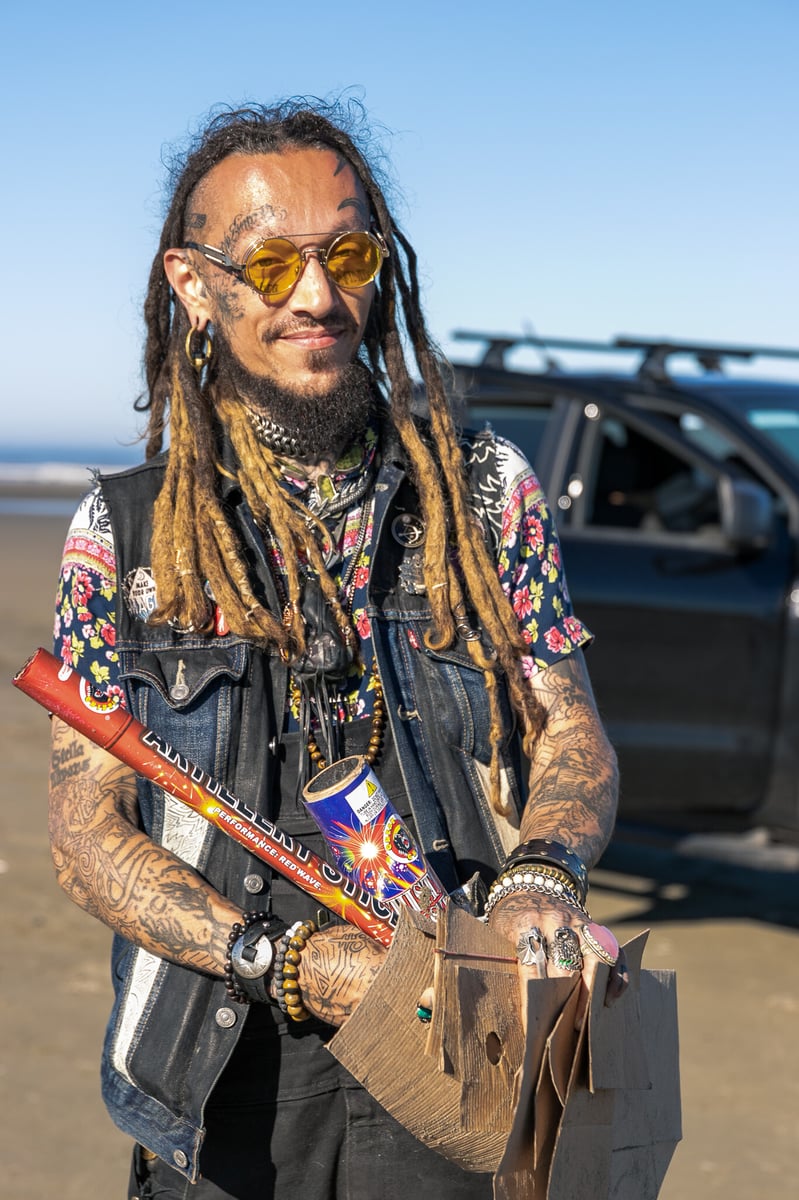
180	674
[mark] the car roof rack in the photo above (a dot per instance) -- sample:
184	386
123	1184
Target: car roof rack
655	352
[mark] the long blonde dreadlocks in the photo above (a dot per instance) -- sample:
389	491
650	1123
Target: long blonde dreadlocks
193	541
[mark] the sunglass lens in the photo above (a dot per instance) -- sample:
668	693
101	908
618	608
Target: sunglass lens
354	259
274	266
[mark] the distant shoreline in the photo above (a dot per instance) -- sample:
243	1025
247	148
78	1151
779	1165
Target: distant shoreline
46	488
50	473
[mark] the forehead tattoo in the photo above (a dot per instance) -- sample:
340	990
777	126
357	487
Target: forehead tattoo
352	201
359	206
196	220
245	223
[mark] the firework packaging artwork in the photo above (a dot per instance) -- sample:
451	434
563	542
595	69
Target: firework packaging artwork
99	716
368	839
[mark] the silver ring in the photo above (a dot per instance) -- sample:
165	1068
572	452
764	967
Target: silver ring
564	950
532	951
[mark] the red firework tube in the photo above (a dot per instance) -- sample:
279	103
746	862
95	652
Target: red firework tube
101	719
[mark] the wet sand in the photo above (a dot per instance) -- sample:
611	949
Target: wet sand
731	936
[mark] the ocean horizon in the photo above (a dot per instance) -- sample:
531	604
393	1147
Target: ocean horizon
48	478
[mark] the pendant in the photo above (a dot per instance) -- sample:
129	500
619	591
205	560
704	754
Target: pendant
411	574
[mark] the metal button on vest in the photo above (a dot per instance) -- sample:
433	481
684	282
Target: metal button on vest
253	883
180	689
225	1017
180	1159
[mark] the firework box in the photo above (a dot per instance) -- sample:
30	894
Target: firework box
368	839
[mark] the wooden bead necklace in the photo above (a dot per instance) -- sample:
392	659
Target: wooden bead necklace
375	735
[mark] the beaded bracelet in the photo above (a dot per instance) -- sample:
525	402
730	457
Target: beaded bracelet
277	966
550	878
546	872
540	851
291	947
532	879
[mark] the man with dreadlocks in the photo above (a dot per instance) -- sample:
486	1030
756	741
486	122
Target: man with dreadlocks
309	572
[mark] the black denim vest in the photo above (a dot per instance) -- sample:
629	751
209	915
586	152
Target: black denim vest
220	701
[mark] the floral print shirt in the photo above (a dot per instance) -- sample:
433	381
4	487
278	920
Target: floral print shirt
85	617
528	561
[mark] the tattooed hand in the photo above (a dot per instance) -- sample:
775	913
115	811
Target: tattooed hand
517	913
573	793
336	968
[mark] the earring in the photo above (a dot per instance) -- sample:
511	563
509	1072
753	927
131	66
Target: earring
201	357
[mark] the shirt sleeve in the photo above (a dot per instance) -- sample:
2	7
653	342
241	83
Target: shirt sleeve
530	565
84	632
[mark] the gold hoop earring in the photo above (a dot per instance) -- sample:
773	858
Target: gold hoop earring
199	358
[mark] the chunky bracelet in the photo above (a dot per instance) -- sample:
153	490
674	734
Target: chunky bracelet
547	872
550	878
278	964
250	951
281	951
538	879
539	850
291	947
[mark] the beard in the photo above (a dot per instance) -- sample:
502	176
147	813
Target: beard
316	424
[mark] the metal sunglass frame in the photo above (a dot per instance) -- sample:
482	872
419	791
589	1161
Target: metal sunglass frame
239	270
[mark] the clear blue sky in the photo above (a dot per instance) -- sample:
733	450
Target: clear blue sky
633	166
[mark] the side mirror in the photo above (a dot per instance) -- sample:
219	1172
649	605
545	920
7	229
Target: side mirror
747	513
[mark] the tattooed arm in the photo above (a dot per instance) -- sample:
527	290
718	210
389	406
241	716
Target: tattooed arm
573	795
113	870
573	789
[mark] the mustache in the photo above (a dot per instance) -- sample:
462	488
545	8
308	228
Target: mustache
341	323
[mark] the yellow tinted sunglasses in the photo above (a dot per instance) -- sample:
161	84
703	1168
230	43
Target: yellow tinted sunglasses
274	265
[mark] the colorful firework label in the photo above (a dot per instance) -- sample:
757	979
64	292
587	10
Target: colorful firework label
369	840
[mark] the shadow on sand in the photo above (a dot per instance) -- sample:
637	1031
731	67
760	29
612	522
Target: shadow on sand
702	876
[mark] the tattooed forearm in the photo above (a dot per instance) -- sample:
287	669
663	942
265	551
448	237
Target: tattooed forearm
112	870
336	968
573	774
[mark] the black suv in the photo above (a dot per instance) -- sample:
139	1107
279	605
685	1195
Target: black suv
677	503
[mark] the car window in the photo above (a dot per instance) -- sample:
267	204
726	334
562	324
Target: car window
638	483
709	438
732	457
524	426
779	424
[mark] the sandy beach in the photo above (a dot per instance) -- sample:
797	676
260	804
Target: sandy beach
55	1137
730	935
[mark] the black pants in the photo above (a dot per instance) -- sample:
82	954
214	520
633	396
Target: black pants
316	1135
